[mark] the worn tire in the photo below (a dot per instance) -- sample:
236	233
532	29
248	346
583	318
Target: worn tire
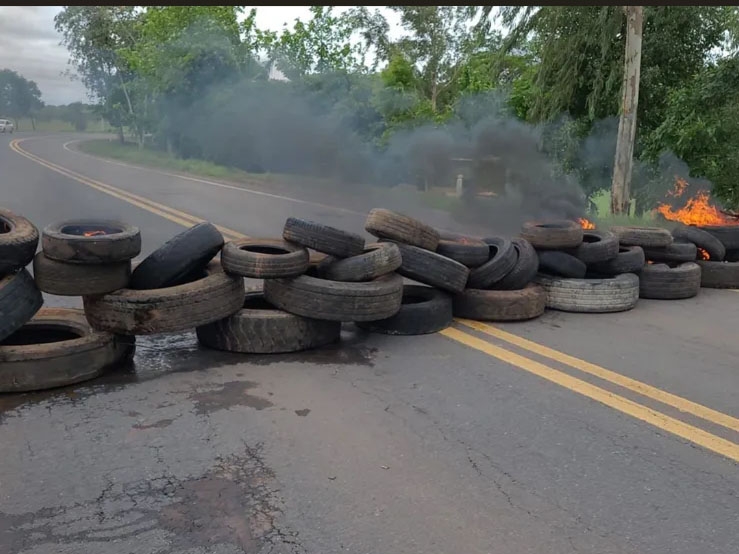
465	250
323	238
167	310
431	268
630	259
264	258
646	237
85	354
104	249
326	300
561	264
661	282
597	246
732	256
20	298
727	234
527	265
719	275
503	258
184	255
501	305
18	242
424	310
385	224
616	294
259	328
702	239
66	279
675	252
551	235
379	258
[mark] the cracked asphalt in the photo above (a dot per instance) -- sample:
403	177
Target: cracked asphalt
375	445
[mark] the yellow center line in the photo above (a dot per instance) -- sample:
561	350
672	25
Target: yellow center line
678	402
624	405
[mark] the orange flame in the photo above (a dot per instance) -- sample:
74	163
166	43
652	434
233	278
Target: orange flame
93	233
697	210
703	254
585	224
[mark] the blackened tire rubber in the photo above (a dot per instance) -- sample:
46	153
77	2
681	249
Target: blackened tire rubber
167	310
19	300
561	264
503	258
646	237
702	239
424	310
525	269
309	296
177	260
676	252
323	238
719	275
379	258
59	244
732	256
727	234
597	246
662	282
501	305
431	268
260	328
30	361
616	294
264	258
65	279
18	242
465	250
551	235
630	259
385	224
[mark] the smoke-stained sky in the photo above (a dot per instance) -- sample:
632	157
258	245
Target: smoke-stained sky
29	44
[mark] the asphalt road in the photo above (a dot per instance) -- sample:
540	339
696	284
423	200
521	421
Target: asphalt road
570	433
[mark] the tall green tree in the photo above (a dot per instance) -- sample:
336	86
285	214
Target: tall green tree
19	97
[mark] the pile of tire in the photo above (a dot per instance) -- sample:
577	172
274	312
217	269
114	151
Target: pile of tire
49	347
584	271
718	254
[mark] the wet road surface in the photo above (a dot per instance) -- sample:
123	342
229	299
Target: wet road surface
479	440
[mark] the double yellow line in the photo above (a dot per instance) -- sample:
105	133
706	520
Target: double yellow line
617	402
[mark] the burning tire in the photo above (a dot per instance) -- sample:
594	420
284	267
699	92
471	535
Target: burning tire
65	279
551	235
630	259
525	269
19	300
502	261
57	348
646	237
264	258
309	296
702	239
432	269
260	328
424	310
719	275
18	242
616	294
727	234
215	296
662	282
385	224
501	305
179	258
379	258
87	241
465	250
597	246
561	264
323	238
675	252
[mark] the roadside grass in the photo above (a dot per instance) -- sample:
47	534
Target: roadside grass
605	219
58	126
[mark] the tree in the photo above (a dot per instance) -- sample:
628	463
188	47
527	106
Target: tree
19	97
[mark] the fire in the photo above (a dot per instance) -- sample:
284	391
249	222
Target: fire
93	233
585	224
703	254
698	210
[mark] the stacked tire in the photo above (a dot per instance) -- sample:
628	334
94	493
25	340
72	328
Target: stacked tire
584	271
718	253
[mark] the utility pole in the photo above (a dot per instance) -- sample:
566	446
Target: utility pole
621	184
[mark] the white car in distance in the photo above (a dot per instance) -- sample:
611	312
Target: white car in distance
6	126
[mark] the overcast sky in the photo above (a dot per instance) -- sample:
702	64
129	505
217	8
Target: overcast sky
29	44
